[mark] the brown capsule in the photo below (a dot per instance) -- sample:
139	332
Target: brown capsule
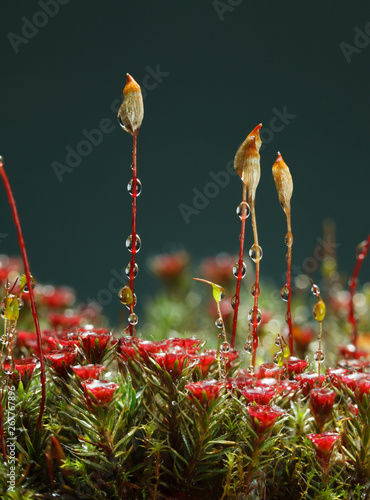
247	161
131	113
283	182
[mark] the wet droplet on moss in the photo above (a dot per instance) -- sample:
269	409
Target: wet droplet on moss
129	245
319	356
248	346
236	270
128	270
315	290
288	239
258	315
225	348
133	319
255	253
219	323
138	187
125	296
284	293
243	207
23	283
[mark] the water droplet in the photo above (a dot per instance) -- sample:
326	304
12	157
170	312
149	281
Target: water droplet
128	270
319	356
288	239
250	370
133	319
243	207
315	290
233	302
173	403
361	247
255	253
20	303
125	296
253	290
278	341
319	310
7	285
24	279
137	243
219	323
138	187
248	346
2	309
236	270
21	415
258	315
225	348
284	293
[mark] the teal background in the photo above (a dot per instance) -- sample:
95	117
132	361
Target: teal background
225	67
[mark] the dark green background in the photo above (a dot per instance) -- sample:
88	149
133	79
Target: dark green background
224	77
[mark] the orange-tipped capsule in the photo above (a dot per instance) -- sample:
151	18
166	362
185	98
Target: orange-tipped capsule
247	161
283	182
131	113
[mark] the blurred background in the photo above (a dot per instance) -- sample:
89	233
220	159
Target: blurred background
210	72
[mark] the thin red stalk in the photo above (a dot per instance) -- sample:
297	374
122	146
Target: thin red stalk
256	285
133	233
289	285
240	266
2	435
352	288
30	289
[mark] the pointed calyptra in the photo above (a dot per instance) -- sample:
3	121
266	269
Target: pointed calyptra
247	162
283	182
131	112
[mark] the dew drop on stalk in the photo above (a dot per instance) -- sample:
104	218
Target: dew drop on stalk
315	290
138	187
360	250
137	243
236	270
288	239
20	303
284	293
219	323
2	309
233	301
255	253
133	319
253	290
225	347
248	346
24	279
278	341
125	296
239	210
128	270
258	315
319	356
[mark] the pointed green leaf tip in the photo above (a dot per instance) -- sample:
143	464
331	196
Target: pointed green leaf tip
218	291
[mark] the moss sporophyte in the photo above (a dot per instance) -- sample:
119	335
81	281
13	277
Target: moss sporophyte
217	393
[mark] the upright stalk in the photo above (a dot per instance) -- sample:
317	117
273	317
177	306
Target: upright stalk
130	117
236	300
30	287
289	243
256	255
361	254
247	166
132	326
284	187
